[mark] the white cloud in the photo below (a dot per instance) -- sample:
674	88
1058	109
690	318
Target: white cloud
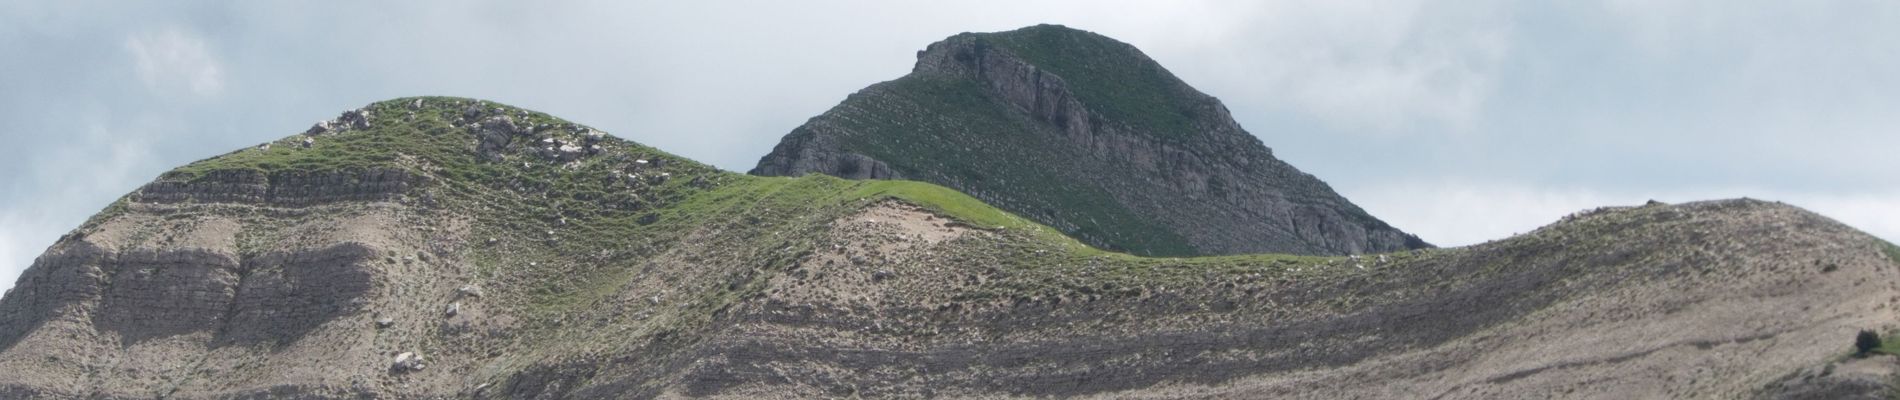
1456	212
172	59
1362	67
20	241
10	252
115	159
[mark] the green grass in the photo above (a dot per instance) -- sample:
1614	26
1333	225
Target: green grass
967	209
1888	344
1892	251
1043	262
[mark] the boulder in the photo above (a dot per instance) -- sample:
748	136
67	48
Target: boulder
407	361
355	119
321	127
494	134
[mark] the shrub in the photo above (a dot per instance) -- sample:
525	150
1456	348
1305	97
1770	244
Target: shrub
1865	342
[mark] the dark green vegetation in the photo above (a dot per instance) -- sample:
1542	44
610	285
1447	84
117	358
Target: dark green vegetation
1866	341
1111	77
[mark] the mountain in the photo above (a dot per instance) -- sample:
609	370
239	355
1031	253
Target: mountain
456	248
1086	134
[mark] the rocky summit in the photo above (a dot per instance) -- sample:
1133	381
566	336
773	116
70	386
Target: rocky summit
425	248
1088	135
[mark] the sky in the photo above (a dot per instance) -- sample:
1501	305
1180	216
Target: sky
1461	121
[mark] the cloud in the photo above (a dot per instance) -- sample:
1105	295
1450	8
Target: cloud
11	252
172	59
1364	68
116	156
1458	212
20	242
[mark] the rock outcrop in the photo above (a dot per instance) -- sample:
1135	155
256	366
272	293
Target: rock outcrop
290	188
1088	135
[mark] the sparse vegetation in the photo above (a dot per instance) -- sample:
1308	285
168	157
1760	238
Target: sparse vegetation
1865	342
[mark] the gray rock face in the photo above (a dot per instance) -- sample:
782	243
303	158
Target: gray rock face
146	294
349	120
811	152
1085	134
285	189
495	133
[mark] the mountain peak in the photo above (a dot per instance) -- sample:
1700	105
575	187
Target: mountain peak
1089	135
1107	75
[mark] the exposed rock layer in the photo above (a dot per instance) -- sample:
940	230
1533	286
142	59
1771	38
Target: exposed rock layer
290	188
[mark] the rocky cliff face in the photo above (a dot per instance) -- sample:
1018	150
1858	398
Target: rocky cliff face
1086	134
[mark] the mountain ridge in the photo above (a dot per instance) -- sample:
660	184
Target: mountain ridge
446	247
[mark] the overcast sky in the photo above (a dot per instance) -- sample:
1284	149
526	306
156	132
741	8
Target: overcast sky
1462	121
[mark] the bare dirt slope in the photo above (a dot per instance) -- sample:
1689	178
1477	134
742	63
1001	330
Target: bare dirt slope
520	256
1704	300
